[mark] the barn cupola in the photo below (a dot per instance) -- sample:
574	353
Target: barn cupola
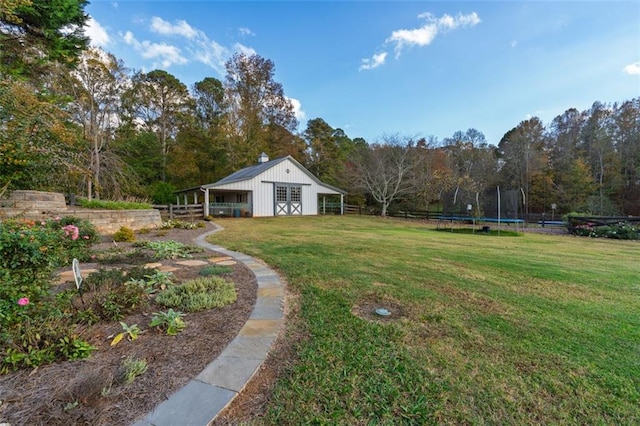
263	158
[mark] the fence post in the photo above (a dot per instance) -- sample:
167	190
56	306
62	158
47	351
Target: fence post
170	211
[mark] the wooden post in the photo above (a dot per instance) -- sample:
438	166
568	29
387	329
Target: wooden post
170	211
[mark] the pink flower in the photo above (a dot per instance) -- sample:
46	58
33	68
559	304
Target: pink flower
86	237
23	301
71	230
43	223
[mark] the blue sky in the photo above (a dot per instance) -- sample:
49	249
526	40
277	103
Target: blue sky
375	68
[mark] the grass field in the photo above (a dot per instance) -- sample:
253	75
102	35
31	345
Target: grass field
528	329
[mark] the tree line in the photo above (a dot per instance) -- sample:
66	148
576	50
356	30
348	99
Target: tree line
75	119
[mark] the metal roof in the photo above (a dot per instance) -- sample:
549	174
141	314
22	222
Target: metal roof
250	172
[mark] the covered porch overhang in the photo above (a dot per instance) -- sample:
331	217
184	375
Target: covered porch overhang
227	202
324	206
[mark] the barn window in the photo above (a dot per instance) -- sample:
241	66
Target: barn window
281	194
296	194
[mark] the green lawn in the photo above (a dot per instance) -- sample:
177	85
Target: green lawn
529	329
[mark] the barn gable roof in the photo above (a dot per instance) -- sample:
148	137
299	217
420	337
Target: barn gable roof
251	172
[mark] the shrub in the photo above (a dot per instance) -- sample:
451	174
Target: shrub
181	224
198	294
113	205
215	270
171	321
162	193
115	293
169	249
619	231
124	234
79	235
132	368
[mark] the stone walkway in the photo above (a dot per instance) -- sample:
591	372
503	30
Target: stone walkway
204	397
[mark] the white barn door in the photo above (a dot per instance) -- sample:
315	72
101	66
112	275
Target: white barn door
288	200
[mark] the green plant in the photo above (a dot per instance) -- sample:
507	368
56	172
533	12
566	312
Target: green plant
75	348
130	331
158	280
198	294
112	205
124	234
169	249
162	193
180	224
132	368
171	321
215	270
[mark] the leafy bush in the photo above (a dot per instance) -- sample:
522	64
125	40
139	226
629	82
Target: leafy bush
124	234
132	368
199	294
163	193
113	205
215	270
171	321
619	231
169	249
181	224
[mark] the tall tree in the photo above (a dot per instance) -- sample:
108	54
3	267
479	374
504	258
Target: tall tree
599	151
626	136
36	141
157	102
383	170
472	164
257	105
522	152
199	154
96	86
34	32
322	149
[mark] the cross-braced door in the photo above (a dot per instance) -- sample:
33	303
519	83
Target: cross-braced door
288	200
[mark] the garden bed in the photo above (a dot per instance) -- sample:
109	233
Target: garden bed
93	391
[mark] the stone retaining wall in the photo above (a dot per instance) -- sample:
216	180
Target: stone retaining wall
39	205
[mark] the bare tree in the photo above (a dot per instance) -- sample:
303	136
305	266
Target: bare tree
383	170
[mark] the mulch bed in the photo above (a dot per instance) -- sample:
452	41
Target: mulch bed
88	392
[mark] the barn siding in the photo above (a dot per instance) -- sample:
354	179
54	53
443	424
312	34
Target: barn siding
262	188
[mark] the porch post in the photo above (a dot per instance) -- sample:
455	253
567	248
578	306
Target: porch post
185	199
206	202
195	197
324	202
341	203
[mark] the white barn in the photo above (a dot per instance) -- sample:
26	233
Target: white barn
281	187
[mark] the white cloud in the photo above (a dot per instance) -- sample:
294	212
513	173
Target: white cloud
514	43
163	54
181	28
249	51
96	33
115	5
297	108
373	62
245	31
196	45
212	54
632	69
425	34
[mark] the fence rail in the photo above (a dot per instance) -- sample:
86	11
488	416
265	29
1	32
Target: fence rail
180	211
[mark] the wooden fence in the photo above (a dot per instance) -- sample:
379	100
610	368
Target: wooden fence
180	211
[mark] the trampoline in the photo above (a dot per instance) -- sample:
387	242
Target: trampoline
519	223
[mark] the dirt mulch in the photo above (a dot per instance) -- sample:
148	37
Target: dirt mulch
91	392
